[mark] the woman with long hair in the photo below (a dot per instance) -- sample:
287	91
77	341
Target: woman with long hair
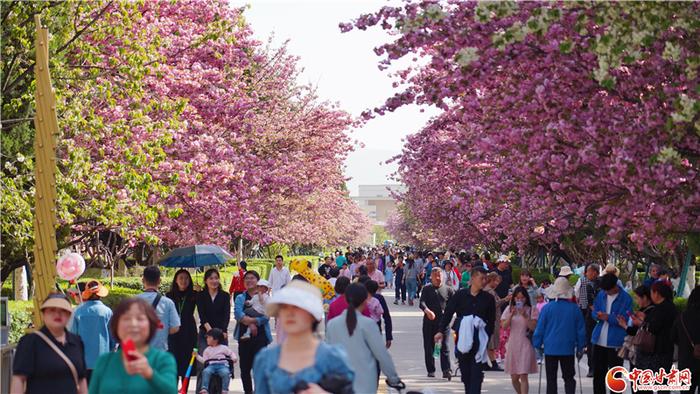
182	342
359	336
521	359
214	307
301	362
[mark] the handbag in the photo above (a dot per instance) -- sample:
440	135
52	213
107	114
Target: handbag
644	340
696	346
65	358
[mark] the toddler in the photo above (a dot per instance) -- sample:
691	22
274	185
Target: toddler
217	355
255	307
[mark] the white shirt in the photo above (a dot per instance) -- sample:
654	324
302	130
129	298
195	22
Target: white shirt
603	338
279	278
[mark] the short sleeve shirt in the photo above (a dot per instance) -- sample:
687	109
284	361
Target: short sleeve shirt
45	370
167	313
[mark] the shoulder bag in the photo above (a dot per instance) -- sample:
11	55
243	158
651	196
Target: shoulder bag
696	346
644	340
65	358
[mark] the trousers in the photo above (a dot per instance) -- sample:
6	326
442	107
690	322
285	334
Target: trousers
430	328
247	350
567	373
603	359
471	371
216	369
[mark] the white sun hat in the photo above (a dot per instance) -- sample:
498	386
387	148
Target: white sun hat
263	282
560	289
565	271
300	294
503	258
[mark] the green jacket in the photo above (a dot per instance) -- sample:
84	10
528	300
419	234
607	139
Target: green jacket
110	377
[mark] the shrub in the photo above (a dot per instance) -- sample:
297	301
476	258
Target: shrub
117	294
20	318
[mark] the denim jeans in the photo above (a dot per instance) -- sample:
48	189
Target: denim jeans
411	288
216	369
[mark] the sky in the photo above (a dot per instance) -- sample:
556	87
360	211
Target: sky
343	67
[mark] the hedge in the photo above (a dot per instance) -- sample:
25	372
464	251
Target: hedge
20	318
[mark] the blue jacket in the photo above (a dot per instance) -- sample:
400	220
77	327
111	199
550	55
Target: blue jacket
91	322
263	322
620	307
560	328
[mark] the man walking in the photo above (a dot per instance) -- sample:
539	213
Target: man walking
164	307
432	302
587	289
561	330
279	275
91	322
608	335
479	307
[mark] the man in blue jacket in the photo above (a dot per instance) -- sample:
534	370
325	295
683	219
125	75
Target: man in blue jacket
560	328
608	335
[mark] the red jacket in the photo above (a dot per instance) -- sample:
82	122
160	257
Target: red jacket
237	285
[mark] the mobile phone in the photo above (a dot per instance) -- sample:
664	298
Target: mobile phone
128	347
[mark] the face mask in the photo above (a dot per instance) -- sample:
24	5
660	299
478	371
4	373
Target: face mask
519	304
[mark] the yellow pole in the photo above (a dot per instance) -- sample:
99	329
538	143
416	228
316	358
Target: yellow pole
46	124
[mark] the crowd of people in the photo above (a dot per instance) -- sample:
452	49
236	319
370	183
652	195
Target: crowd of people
145	345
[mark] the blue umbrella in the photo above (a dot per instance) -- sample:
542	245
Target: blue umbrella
195	256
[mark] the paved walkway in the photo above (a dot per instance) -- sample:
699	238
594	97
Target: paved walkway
407	352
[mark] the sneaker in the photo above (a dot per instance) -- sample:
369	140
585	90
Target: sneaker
245	336
496	367
403	302
431	374
447	375
590	374
410	302
396	302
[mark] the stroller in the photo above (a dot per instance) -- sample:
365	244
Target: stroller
215	382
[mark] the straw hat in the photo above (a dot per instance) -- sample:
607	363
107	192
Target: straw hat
611	269
57	300
565	271
560	289
300	294
94	287
503	258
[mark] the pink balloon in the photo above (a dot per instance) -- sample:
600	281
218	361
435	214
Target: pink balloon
70	266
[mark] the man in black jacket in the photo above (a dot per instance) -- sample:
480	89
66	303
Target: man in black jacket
433	301
466	302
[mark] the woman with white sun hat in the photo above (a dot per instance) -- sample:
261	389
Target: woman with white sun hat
302	363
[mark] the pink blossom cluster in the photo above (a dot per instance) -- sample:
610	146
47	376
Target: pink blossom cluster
238	148
531	148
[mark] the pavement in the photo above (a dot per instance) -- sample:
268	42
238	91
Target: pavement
407	352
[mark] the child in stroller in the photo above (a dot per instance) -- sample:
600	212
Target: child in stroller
218	360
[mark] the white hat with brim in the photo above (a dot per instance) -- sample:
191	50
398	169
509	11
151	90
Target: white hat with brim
565	271
560	289
263	282
503	258
57	302
300	294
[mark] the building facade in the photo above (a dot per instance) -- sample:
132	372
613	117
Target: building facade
377	202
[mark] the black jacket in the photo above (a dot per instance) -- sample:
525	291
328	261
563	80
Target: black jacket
217	313
431	299
680	336
388	326
660	322
464	304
